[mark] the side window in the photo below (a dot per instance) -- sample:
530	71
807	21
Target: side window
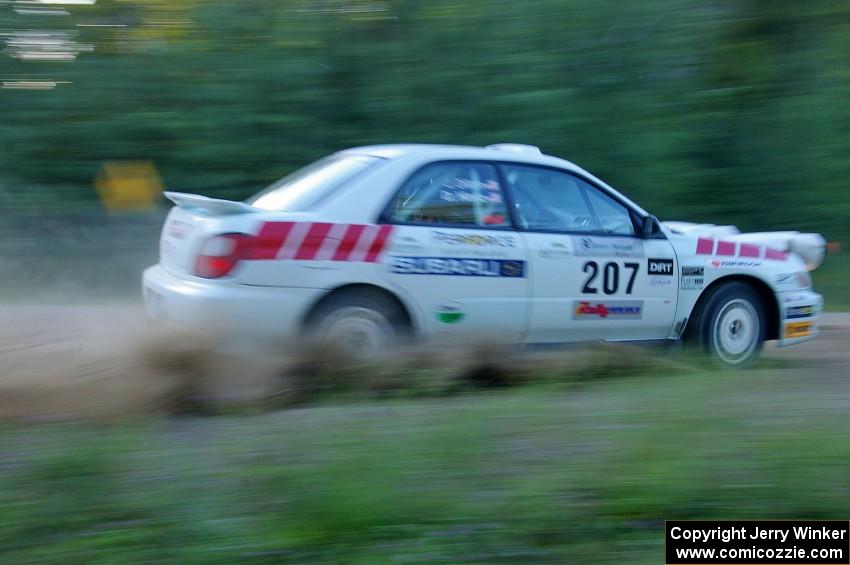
451	193
547	199
613	216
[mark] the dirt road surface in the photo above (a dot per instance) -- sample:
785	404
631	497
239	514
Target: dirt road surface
58	361
827	355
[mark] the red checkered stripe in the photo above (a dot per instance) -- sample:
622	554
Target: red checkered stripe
321	241
707	246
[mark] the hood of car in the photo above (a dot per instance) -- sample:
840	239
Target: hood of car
810	247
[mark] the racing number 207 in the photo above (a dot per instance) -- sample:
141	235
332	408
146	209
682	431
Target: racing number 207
610	277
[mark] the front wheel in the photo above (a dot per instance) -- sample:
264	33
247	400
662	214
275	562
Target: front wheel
731	325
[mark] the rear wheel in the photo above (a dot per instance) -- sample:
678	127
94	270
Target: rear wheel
731	325
360	322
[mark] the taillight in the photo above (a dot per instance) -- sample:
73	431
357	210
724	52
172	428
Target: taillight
221	253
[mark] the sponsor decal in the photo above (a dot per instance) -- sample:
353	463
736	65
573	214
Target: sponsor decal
799	311
799	329
473	239
708	246
450	313
693	278
660	281
457	266
586	246
470	190
733	263
464	196
619	310
659	267
513	268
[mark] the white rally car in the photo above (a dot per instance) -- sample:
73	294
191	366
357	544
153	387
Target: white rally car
374	244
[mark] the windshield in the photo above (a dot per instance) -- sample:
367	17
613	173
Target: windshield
306	186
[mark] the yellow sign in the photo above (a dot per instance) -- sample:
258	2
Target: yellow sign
128	185
798	329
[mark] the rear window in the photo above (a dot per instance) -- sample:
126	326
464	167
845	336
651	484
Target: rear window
306	186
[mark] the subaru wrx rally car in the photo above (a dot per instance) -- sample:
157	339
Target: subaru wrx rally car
376	244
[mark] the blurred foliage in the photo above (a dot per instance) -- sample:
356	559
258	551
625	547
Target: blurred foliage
534	475
728	111
831	281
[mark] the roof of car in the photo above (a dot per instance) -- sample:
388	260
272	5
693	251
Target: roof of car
393	150
515	152
499	151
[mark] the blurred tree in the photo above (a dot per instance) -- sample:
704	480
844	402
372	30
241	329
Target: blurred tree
722	111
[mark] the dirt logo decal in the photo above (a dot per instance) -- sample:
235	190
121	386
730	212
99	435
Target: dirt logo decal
662	267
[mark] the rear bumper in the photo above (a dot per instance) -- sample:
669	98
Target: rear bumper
225	308
800	313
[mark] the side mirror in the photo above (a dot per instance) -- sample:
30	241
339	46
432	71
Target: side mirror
650	226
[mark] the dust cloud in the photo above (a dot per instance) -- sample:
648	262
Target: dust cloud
104	361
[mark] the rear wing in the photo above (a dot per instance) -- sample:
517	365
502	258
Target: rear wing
209	206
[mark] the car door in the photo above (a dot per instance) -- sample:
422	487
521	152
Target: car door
592	276
455	254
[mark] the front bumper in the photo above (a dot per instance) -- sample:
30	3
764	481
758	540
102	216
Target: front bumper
799	314
224	307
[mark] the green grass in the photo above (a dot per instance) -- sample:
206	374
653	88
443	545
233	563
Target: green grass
832	280
542	474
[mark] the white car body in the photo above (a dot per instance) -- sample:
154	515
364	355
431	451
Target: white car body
512	284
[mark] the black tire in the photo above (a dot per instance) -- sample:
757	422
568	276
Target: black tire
361	321
731	325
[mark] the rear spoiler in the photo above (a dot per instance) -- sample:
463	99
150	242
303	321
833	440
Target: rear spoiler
212	206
